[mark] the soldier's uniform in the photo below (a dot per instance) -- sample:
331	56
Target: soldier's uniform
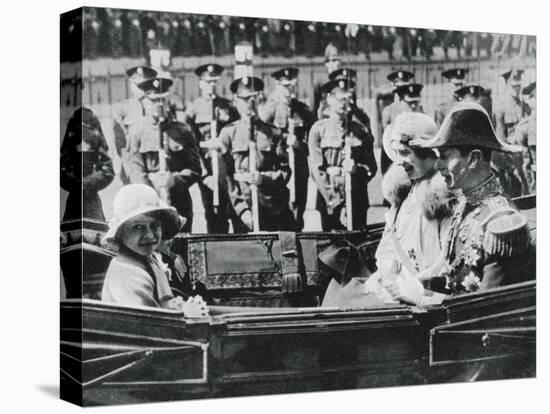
409	101
357	113
85	166
199	116
456	77
474	93
508	114
278	112
526	136
327	139
390	112
488	243
182	152
272	167
331	60
129	126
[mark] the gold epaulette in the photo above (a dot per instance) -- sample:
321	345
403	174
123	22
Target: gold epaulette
507	233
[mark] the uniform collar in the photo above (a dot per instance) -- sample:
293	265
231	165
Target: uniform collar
490	187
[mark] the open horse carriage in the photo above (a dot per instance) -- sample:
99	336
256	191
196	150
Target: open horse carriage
260	339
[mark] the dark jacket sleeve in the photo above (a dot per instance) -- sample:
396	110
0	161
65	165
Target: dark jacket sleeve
103	174
71	180
188	170
365	155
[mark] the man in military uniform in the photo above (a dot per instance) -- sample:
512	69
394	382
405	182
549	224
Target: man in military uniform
171	163
508	113
357	113
409	101
455	78
390	112
397	79
199	115
509	110
129	119
474	93
256	162
294	118
332	63
526	136
488	241
329	140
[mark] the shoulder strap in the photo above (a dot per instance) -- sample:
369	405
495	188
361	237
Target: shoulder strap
405	260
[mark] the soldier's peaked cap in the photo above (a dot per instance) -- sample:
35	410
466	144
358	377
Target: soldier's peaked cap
455	74
156	85
474	90
409	92
285	74
345	84
467	124
400	75
209	70
247	86
513	75
343	73
141	72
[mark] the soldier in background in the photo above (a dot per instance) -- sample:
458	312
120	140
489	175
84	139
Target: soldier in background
272	172
508	114
389	113
90	35
284	110
409	101
398	78
262	37
165	135
474	93
128	120
451	39
410	97
357	113
327	141
510	109
115	24
199	116
134	36
287	38
455	77
203	47
526	136
85	166
332	63
309	39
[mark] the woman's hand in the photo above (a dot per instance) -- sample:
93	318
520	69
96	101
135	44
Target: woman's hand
195	307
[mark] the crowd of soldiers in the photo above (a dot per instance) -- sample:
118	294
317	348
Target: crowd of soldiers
252	156
126	33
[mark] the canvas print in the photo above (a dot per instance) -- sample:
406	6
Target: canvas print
260	206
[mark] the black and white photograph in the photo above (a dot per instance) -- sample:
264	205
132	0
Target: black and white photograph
259	205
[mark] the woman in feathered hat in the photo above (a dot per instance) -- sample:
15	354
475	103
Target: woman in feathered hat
137	276
410	252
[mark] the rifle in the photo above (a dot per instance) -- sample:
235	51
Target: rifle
347	157
163	144
291	158
253	169
214	157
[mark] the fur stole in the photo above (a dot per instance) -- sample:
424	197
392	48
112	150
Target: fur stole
437	201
